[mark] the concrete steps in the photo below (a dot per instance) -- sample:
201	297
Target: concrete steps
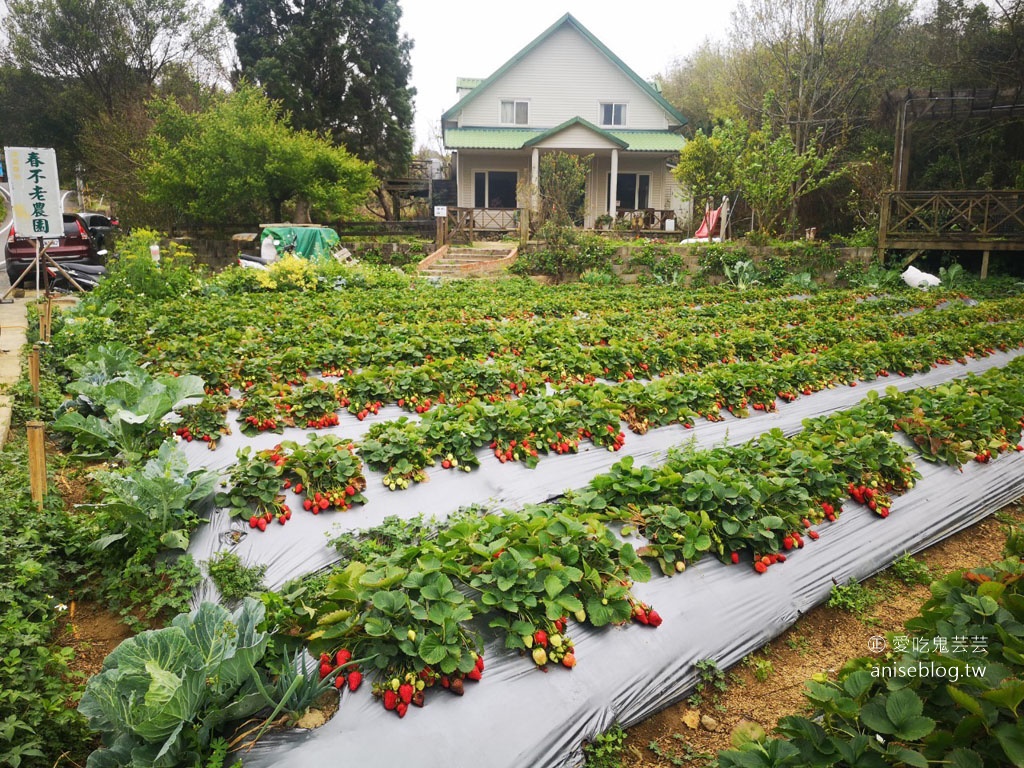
456	262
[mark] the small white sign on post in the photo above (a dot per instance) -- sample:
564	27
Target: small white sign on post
440	211
35	191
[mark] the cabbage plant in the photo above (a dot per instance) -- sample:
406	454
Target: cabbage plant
162	694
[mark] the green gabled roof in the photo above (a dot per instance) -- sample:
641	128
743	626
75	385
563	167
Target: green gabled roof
570	20
518	138
467	82
576	121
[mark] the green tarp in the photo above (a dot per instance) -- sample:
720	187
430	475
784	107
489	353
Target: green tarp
313	243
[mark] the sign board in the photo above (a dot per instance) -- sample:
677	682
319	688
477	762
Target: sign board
440	211
35	191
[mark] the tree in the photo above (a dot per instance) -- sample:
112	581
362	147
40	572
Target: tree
241	160
772	174
117	49
341	68
824	61
699	87
707	164
562	181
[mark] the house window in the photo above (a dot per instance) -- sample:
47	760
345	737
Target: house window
633	190
515	112
494	189
613	114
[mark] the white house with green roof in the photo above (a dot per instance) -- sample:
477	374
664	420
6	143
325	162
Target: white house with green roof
566	91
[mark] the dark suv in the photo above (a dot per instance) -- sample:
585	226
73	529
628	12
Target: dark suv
76	246
103	228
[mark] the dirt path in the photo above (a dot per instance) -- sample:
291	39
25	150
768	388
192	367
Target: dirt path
767	685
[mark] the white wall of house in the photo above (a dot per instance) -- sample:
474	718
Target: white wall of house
577	139
565	76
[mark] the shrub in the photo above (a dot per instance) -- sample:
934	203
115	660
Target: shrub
41	561
133	273
233	579
566	253
961	710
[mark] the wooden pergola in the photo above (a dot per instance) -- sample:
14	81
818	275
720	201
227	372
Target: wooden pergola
962	220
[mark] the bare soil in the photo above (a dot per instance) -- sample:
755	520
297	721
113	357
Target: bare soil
93	632
767	685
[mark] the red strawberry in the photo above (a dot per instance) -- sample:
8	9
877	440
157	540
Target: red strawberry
261	523
455	686
355	679
402	708
569	660
474	674
325	670
405	692
480	663
787	543
735	557
298	487
760	567
350	490
253	521
325	658
813	534
343	656
540	637
307	505
445	682
390	699
339	682
654	618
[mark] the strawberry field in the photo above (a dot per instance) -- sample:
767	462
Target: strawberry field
452	489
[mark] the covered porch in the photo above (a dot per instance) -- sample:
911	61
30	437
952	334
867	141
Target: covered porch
629	180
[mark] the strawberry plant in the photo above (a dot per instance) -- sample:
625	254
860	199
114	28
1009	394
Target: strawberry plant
205	421
408	625
314	404
455	434
325	469
398	449
255	488
260	411
676	537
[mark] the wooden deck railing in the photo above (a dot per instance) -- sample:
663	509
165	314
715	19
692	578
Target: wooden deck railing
465	223
976	220
644	218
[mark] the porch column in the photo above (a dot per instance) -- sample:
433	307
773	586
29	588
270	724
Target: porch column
535	179
613	184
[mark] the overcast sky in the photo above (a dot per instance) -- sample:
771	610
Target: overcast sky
470	38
